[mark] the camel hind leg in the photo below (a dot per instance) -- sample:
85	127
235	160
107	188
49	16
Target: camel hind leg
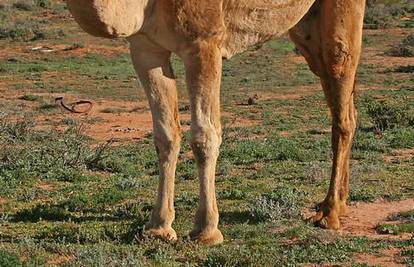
330	37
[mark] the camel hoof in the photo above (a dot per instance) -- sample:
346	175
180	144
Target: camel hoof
208	238
327	217
330	221
343	209
166	234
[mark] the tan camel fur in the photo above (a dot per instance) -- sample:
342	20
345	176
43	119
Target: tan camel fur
327	32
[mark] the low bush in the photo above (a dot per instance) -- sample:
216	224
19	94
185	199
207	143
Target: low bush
23	5
380	14
43	3
405	69
25	31
9	260
387	114
405	49
232	194
29	97
26	152
282	203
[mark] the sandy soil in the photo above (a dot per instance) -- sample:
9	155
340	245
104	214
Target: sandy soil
362	221
362	217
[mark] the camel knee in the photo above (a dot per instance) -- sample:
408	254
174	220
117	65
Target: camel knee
345	127
339	59
167	142
205	142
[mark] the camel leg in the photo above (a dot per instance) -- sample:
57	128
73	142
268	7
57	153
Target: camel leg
203	73
329	37
152	65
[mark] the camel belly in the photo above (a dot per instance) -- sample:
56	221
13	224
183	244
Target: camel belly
108	18
249	22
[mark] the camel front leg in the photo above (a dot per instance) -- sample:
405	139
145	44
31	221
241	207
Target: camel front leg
203	72
154	70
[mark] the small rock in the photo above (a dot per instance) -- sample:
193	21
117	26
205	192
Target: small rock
253	99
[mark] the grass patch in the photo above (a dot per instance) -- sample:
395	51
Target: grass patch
29	97
395	229
65	158
9	260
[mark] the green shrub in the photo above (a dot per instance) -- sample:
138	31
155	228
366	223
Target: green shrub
21	31
404	216
269	150
386	114
405	69
388	14
29	5
360	192
104	256
395	229
23	5
405	49
78	202
282	203
29	97
232	194
99	201
55	155
62	232
408	257
401	138
187	200
128	182
28	30
15	131
43	3
9	260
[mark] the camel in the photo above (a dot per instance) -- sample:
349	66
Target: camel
328	34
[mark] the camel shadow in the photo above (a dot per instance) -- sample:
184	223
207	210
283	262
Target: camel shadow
237	217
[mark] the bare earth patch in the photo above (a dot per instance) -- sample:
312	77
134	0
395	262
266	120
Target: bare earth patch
362	217
60	260
40	49
388	257
120	121
291	94
362	220
46	187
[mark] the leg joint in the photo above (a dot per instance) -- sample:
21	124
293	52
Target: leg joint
338	58
167	141
345	127
205	143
